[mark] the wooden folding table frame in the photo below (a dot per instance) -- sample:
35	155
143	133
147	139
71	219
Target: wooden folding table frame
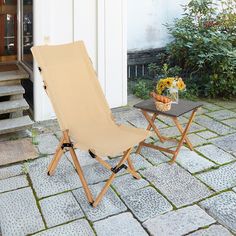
66	145
183	132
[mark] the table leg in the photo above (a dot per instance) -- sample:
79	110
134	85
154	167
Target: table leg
148	128
183	136
181	130
153	126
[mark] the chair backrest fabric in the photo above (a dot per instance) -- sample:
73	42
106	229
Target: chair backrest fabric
73	88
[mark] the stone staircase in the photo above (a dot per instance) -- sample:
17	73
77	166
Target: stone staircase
12	102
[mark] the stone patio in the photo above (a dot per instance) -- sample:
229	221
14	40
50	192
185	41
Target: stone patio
195	196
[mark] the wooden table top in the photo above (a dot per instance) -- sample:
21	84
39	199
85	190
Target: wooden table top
184	106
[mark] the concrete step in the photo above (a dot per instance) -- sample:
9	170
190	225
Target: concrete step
13	75
16	124
13	106
11	90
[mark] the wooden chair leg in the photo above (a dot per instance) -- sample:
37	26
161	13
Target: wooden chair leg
79	170
108	183
57	156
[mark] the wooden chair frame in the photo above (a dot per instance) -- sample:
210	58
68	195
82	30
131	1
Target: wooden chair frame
183	132
66	144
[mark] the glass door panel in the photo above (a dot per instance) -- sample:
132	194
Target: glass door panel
27	32
8	30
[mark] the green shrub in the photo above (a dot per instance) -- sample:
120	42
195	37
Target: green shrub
164	71
204	46
143	88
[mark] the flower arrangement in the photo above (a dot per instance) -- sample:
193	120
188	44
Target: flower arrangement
172	83
170	87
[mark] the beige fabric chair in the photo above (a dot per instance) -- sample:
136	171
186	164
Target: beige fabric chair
82	111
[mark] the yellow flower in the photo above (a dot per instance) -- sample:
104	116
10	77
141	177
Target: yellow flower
180	84
169	82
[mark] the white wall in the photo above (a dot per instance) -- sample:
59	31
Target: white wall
94	22
146	19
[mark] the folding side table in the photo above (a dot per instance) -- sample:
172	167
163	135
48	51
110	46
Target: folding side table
176	110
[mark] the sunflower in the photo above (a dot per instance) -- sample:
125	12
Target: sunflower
169	82
180	84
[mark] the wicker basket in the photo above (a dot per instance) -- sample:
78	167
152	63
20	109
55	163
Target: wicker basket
160	106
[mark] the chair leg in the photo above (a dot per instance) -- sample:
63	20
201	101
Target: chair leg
79	170
56	158
108	183
130	167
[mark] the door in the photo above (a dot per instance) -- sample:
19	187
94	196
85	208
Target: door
8	30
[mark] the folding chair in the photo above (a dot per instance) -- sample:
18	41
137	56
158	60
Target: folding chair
83	113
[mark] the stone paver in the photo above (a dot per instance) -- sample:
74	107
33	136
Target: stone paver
193	162
147	203
47	143
213	125
76	228
19	214
140	122
126	184
96	173
222	114
228	104
123	224
170	122
65	177
179	186
220	179
83	157
207	134
173	131
214	230
180	222
226	143
166	144
195	128
196	140
230	122
199	112
110	204
60	209
10	171
211	106
139	162
170	132
13	183
223	208
154	156
215	154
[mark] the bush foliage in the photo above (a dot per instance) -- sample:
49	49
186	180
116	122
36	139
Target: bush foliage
204	46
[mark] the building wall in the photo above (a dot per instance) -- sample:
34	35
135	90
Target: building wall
101	24
146	19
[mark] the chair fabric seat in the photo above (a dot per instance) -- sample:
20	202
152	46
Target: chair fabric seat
112	141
